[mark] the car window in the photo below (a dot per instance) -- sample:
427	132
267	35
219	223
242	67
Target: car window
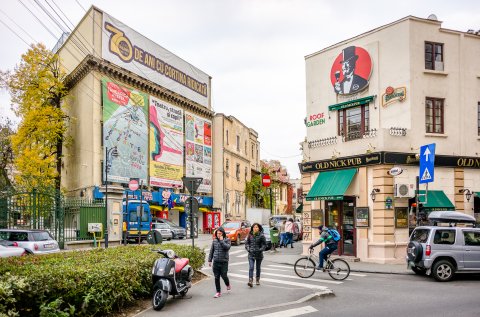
444	236
18	236
134	216
41	236
472	238
420	235
231	225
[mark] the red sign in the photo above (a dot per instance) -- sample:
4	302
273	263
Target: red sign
117	94
266	181
133	184
351	71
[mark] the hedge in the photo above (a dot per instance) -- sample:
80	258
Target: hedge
81	283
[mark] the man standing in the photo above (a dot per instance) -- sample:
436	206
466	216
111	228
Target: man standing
351	82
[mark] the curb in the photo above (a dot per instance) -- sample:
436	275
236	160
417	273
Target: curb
304	299
359	271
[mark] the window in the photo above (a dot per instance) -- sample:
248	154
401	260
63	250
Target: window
478	119
420	235
471	237
227	202
434	115
246	151
238	143
227	166
353	122
444	236
237	171
227	138
478	127
246	172
433	56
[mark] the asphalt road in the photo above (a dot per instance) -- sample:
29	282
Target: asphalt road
360	295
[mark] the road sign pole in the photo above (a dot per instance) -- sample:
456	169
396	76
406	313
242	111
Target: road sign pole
417	208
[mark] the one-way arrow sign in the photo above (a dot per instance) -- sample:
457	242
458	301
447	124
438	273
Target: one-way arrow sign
427	163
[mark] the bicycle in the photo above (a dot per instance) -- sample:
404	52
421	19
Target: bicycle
338	269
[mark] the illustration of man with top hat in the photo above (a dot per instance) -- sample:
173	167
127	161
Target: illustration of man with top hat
351	82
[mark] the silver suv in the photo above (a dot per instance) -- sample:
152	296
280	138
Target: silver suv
444	251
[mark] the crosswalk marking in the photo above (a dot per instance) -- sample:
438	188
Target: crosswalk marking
291	268
291	312
236	252
271	269
237	263
299	278
265	279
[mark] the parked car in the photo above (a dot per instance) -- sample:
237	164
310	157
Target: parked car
6	252
237	231
164	230
177	231
33	241
266	233
444	251
7	243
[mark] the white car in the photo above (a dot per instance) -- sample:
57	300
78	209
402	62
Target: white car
164	230
6	252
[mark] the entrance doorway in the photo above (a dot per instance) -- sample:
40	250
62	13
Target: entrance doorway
340	215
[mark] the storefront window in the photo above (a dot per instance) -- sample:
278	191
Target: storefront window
317	218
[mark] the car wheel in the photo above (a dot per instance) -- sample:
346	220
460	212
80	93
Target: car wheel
419	270
443	271
414	251
173	235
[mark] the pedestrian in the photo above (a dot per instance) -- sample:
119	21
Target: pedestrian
282	234
255	245
219	254
289	229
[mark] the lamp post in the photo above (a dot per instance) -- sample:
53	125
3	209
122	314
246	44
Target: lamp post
374	193
110	153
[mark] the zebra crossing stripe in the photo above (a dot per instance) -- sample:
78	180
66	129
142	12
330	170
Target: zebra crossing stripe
299	278
272	269
291	268
242	255
236	252
291	312
237	263
266	279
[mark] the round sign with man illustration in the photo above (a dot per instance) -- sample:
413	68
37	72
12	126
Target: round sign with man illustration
351	71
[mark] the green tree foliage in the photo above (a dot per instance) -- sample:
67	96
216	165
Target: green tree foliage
257	193
37	90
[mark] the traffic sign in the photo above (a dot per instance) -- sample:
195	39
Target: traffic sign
133	184
266	181
191	206
427	162
192	183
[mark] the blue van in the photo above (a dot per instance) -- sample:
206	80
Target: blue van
137	218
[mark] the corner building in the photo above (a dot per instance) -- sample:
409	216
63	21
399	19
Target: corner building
372	102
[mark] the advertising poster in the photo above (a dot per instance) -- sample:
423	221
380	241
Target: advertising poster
198	134
166	144
125	126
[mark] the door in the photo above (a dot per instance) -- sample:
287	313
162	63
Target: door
340	215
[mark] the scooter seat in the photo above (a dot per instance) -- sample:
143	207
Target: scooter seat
180	264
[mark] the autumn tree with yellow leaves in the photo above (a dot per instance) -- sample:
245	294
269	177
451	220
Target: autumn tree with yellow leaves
37	92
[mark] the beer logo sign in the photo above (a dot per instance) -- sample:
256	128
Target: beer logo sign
393	94
351	71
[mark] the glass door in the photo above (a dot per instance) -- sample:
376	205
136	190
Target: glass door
347	231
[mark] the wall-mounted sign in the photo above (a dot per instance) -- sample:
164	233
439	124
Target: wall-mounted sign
395	171
362	217
393	94
315	119
388	203
351	161
351	71
401	217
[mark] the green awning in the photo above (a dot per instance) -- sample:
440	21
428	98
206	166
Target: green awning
477	194
331	185
299	208
436	201
351	103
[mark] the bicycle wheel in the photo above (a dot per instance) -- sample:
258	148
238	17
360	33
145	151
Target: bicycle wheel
304	267
338	269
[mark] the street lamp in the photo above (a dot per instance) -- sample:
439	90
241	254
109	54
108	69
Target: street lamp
468	193
110	153
374	193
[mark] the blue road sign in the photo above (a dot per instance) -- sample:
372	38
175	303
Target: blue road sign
427	161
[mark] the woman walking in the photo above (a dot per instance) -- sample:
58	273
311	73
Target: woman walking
219	254
255	245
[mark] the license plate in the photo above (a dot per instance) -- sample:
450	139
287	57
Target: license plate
48	246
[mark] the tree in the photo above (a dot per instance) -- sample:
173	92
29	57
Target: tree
37	91
6	154
257	193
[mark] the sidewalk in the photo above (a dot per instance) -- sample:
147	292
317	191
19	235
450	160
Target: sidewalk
289	256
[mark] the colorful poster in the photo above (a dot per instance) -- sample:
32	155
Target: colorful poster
166	144
125	126
198	132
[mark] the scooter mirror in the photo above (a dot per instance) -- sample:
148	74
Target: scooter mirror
154	237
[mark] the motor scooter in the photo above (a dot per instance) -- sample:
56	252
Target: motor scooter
171	275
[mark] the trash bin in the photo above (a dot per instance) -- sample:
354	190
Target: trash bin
274	237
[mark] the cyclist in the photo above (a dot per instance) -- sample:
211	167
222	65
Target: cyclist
330	245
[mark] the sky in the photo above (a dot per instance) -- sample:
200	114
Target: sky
253	49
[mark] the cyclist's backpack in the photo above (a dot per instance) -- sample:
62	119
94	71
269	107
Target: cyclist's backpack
335	235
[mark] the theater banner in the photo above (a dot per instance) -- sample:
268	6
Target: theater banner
198	147
125	126
166	144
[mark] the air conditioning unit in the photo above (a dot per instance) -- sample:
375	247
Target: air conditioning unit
404	190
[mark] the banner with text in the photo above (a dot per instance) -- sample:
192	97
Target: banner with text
127	48
166	144
125	126
198	145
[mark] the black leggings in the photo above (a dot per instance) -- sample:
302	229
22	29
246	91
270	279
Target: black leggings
220	269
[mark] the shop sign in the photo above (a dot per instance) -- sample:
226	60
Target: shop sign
352	161
351	71
393	94
362	217
388	203
315	119
395	171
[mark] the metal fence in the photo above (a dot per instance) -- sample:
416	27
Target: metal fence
78	214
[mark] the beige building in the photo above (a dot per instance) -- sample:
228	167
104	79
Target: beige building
372	102
281	187
237	146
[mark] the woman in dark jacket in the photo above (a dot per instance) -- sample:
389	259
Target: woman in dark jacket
255	245
219	254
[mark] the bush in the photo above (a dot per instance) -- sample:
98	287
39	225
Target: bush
81	283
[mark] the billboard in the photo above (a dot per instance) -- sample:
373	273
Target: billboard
125	126
130	50
166	144
198	147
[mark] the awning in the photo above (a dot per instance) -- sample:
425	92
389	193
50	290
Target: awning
299	208
436	201
351	103
477	194
331	185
